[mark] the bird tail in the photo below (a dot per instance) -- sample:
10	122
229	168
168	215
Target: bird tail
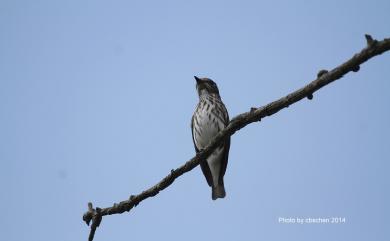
218	191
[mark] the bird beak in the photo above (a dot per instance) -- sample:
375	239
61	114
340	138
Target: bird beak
197	80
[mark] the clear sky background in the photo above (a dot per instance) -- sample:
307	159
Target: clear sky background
96	99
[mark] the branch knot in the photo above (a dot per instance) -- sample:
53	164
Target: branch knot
370	41
321	73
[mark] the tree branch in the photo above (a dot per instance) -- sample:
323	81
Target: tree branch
324	77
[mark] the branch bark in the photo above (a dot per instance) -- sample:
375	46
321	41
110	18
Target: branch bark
324	77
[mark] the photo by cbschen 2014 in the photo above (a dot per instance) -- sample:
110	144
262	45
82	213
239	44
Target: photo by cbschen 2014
302	220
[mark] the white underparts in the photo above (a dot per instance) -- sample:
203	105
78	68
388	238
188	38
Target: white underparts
209	126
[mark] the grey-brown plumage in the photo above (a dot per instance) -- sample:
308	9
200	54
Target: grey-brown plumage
209	118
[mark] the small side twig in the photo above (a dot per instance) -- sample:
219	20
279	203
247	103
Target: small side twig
95	216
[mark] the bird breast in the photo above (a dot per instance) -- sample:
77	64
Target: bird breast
208	124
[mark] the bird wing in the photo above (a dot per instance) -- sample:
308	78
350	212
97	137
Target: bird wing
226	145
224	160
203	165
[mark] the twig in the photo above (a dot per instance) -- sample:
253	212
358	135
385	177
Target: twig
324	77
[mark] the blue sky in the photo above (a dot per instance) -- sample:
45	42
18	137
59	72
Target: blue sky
96	99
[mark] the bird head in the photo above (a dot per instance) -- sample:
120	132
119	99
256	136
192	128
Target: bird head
206	86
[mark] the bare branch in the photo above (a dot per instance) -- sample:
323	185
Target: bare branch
324	77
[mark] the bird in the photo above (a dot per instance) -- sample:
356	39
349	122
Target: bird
210	117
